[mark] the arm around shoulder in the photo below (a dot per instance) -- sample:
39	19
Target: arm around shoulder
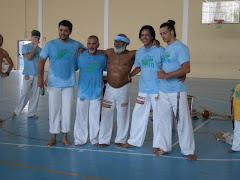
185	69
135	71
133	53
104	52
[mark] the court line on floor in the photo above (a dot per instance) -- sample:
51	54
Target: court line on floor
213	100
8	98
52	170
201	125
116	152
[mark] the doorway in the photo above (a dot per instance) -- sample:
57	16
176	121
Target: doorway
20	62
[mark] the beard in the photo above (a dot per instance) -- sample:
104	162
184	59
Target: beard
120	49
91	51
63	37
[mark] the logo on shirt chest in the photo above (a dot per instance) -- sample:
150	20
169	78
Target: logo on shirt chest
147	62
166	58
92	68
63	54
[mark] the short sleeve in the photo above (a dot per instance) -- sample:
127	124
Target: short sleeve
25	49
159	59
78	63
183	54
105	63
137	62
234	92
81	46
45	51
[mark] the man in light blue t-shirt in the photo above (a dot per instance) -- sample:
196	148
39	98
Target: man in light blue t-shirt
173	94
148	60
30	89
90	85
62	54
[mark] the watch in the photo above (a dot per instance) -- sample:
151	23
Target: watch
7	73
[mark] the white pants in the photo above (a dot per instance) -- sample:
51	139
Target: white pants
118	97
88	110
29	92
236	138
60	108
140	119
167	105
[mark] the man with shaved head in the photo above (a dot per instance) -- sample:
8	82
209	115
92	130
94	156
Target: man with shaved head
90	86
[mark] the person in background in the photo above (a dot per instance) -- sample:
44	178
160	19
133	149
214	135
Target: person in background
236	118
30	89
4	55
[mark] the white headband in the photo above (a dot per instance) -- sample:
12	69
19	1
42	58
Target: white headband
121	38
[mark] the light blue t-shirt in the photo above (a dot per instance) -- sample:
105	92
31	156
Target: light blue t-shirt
174	56
149	60
90	83
62	62
30	66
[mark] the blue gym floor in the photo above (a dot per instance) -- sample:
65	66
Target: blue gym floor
23	154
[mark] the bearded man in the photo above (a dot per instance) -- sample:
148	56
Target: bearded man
119	65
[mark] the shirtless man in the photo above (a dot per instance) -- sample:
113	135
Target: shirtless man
4	55
119	65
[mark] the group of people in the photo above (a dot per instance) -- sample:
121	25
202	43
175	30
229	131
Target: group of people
160	71
162	86
159	88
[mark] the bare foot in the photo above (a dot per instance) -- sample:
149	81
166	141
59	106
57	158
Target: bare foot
34	116
230	151
102	145
154	150
161	152
126	146
78	145
65	140
118	144
96	144
1	120
192	157
51	142
13	115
